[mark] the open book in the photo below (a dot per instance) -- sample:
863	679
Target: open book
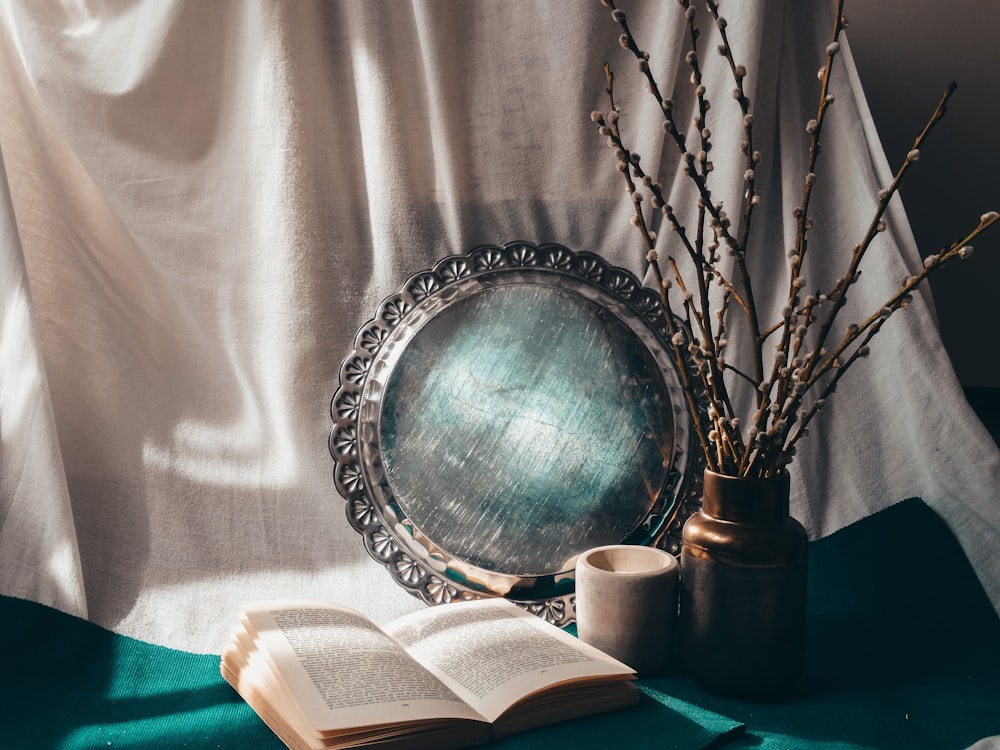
321	675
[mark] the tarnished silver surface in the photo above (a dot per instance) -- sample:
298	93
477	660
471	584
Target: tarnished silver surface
504	412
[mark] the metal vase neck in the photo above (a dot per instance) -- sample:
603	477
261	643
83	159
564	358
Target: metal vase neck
746	500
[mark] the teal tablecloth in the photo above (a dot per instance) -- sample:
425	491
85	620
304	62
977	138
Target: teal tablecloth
904	653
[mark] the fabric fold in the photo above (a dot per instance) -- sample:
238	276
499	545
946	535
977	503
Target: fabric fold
39	552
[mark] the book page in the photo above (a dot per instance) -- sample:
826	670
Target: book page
245	668
344	672
492	653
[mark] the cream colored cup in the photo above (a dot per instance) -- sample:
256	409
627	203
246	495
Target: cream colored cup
626	603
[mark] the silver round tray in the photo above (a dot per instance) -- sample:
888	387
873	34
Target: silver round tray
507	410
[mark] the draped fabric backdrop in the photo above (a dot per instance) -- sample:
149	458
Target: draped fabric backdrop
201	202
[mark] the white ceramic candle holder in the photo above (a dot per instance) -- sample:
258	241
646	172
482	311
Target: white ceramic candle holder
626	603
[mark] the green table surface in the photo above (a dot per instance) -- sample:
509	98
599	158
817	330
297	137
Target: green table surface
904	652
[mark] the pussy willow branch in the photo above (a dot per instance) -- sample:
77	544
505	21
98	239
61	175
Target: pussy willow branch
713	380
752	156
628	42
728	432
776	384
727	439
629	165
958	250
702	166
815	130
720	222
697	169
750	197
609	128
838	296
818	361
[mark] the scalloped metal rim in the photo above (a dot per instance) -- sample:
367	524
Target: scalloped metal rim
414	563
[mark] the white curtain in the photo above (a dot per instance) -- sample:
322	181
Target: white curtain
203	201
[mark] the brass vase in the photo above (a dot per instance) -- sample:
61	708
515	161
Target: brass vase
743	589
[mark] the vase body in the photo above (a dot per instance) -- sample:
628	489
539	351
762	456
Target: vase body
743	588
